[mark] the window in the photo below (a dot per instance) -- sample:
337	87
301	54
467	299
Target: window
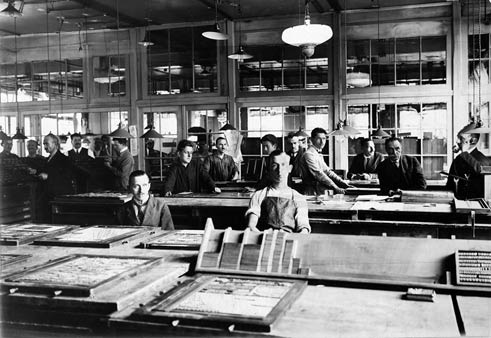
160	152
422	127
256	122
37	80
282	67
400	62
182	61
37	126
109	75
478	61
9	127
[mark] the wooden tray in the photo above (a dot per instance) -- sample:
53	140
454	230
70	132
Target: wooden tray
95	237
473	267
77	275
27	233
179	239
223	301
9	259
479	205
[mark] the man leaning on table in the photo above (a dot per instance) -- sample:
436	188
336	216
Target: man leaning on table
316	175
398	171
144	209
278	206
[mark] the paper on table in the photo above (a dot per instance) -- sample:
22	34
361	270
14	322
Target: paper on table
371	198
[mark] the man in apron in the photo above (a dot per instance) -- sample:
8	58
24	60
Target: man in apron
278	206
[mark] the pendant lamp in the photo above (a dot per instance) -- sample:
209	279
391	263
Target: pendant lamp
350	129
240	55
380	133
215	34
300	133
339	131
121	132
307	36
19	135
151	133
228	126
10	10
146	40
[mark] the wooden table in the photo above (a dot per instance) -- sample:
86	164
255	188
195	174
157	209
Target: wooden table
476	315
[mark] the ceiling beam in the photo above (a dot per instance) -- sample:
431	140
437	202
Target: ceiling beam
211	4
111	12
317	6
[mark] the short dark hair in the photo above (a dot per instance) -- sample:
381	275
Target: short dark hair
317	131
183	144
121	140
364	141
274	153
270	138
392	139
137	173
221	138
75	135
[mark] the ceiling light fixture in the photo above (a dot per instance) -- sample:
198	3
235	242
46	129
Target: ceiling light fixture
307	36
216	34
240	55
18	135
120	132
146	42
10	10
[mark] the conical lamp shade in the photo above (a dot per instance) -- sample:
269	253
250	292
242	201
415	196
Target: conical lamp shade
151	134
11	11
300	133
216	34
339	132
19	135
350	129
478	130
240	55
146	41
228	126
380	133
470	126
121	133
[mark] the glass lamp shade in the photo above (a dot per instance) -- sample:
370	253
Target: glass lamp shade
350	129
10	10
151	134
240	55
301	134
216	34
358	79
380	133
307	36
478	130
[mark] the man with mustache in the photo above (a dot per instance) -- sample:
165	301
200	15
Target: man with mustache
278	206
399	172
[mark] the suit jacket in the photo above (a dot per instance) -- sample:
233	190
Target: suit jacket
121	167
357	166
468	165
60	176
190	178
157	214
409	175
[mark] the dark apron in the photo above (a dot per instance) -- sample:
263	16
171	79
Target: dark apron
277	213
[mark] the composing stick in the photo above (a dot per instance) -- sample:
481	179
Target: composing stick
290	250
278	251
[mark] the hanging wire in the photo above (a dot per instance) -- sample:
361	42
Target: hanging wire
119	57
61	20
47	63
473	62
378	67
16	72
481	67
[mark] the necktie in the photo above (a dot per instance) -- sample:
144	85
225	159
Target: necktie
141	214
365	164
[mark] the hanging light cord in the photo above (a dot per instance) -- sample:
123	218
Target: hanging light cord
480	64
119	56
47	64
378	69
61	61
16	72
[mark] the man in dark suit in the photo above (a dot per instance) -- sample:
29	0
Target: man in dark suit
366	162
399	172
122	166
466	180
187	173
81	161
57	174
144	209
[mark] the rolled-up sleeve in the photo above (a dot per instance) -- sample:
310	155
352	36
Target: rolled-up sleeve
255	203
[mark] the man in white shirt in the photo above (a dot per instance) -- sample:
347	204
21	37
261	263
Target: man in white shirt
278	206
317	177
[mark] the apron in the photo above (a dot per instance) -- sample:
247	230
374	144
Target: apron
278	213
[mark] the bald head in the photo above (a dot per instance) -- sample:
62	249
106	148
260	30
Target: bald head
51	143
